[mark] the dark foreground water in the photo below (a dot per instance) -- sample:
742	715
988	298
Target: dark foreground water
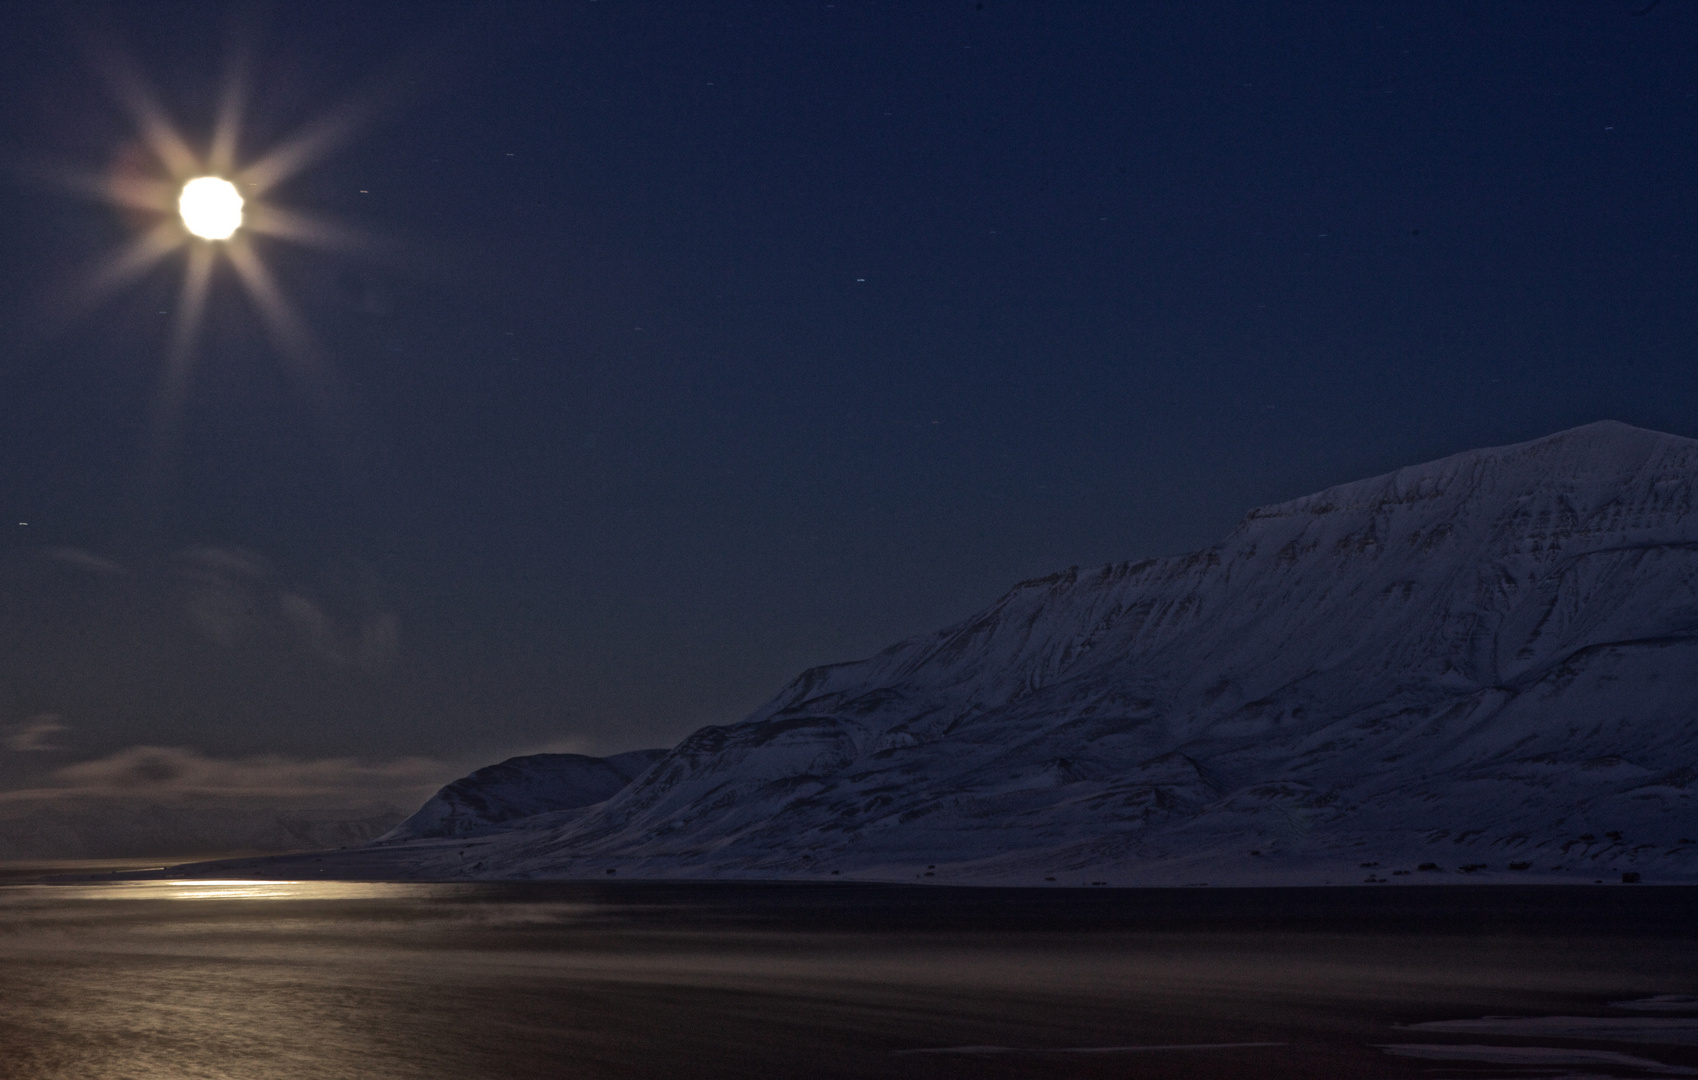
255	980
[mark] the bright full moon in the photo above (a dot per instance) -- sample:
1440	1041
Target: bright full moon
211	208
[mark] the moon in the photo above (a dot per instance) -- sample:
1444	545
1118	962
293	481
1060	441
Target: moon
211	208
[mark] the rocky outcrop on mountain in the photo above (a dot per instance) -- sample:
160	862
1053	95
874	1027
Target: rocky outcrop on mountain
529	789
1487	663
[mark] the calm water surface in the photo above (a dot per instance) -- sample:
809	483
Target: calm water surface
255	980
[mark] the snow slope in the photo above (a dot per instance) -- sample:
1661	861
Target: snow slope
1484	661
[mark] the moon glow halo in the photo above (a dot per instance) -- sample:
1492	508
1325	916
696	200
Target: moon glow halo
215	214
211	208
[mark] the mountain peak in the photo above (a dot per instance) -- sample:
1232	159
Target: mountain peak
1605	454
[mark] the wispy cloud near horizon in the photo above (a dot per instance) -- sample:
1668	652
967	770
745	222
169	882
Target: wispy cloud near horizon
180	772
34	736
84	560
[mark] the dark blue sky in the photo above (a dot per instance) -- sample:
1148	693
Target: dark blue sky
700	343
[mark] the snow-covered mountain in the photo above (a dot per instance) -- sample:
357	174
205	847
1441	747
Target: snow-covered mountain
1486	663
530	788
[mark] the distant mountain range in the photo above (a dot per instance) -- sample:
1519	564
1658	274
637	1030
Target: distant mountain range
1486	665
114	828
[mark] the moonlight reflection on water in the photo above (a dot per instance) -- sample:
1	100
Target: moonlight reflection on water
260	979
216	889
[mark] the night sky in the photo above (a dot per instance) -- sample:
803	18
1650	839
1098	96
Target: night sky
673	348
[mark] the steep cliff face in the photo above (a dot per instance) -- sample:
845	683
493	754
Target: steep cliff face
1492	658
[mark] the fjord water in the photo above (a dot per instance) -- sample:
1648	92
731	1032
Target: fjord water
178	979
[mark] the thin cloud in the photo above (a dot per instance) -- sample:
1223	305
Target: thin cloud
34	736
232	595
315	627
223	561
562	746
221	603
370	645
84	560
168	772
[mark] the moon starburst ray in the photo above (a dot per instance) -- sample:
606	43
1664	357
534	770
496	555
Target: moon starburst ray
185	329
312	144
305	229
210	207
155	129
138	193
288	332
221	154
130	262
